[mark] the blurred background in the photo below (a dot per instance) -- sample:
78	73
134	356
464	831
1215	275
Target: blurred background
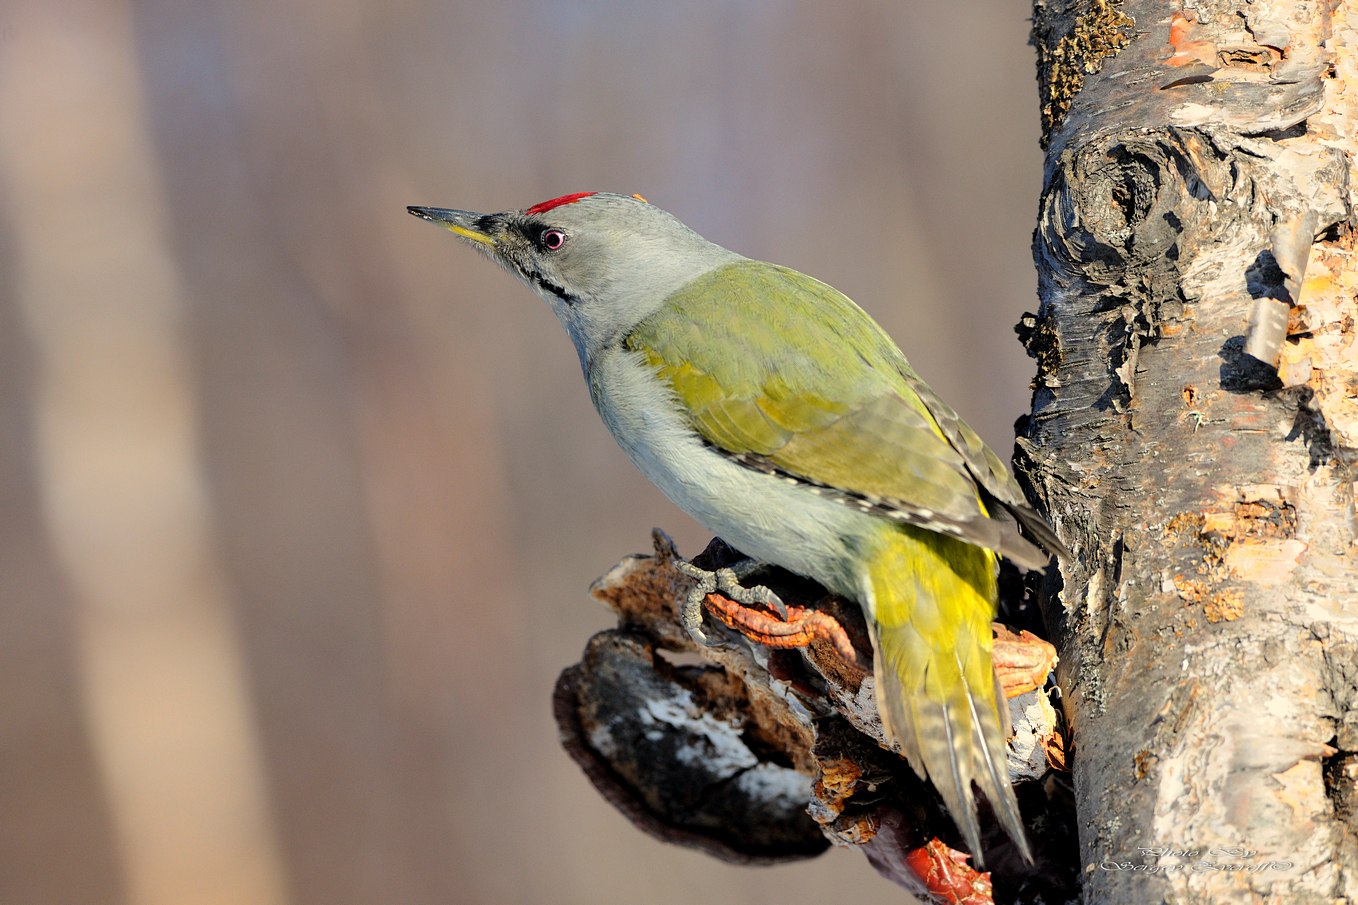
302	499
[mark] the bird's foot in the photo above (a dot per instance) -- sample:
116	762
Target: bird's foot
691	613
757	612
724	582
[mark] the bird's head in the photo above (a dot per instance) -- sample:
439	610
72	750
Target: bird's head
604	262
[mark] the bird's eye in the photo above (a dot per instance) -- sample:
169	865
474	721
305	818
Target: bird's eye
553	239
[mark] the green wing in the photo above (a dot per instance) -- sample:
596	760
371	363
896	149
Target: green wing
804	384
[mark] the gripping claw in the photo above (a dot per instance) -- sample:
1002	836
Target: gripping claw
725	581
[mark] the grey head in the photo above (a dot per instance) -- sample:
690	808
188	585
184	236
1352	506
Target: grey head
603	262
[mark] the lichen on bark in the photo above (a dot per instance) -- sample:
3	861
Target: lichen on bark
1092	30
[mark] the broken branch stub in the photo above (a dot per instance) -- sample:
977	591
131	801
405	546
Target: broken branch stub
758	755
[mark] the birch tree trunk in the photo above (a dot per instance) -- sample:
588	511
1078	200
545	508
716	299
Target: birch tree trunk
1193	435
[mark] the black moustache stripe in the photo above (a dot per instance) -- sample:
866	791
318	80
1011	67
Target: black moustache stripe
554	289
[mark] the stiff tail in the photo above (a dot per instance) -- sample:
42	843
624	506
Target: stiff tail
930	599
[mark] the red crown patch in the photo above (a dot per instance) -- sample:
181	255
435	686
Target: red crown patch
543	207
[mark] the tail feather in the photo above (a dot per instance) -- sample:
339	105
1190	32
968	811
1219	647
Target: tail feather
993	739
931	599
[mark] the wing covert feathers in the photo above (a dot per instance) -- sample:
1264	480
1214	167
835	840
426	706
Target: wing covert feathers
814	391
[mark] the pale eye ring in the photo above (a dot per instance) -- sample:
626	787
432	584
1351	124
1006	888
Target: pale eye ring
553	239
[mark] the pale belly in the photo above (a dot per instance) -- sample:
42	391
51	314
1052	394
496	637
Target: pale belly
764	516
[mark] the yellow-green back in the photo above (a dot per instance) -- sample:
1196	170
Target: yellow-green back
803	382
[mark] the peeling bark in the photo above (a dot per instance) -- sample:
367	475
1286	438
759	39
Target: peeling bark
1192	436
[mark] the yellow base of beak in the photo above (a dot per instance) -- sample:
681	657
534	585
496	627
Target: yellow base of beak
471	234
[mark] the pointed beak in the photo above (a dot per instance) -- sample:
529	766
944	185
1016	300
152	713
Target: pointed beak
479	228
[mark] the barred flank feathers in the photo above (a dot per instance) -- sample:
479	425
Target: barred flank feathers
932	598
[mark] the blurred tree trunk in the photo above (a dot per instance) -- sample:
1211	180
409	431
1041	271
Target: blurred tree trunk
1193	434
